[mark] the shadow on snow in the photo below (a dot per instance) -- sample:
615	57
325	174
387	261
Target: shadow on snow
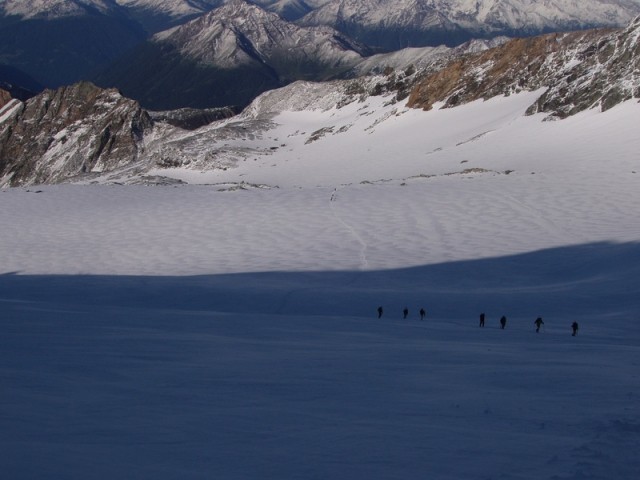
591	279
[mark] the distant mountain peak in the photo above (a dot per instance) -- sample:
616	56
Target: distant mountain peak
241	32
227	57
402	23
49	9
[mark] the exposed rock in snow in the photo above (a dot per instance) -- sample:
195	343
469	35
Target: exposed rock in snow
71	131
581	70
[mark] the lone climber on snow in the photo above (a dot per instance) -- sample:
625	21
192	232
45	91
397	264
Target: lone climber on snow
574	329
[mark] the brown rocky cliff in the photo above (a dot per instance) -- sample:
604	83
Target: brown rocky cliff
579	70
514	66
74	130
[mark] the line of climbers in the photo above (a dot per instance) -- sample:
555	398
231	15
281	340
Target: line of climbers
538	322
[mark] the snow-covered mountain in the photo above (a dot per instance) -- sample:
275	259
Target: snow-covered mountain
176	8
59	42
393	25
148	12
158	15
419	58
561	75
227	57
287	9
240	33
54	9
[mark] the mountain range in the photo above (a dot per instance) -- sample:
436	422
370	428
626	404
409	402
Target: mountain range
84	133
60	42
394	25
227	57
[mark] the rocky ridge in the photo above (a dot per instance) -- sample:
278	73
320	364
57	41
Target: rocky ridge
75	130
579	70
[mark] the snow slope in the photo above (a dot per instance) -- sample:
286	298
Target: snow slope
228	329
340	194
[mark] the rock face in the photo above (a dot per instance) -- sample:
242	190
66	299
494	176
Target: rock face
580	70
5	98
70	131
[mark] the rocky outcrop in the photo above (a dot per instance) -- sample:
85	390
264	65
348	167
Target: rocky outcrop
62	134
5	97
601	74
579	70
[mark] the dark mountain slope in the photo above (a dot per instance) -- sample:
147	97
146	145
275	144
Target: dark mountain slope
59	51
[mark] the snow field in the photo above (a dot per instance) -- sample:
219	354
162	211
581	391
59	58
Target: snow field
200	230
150	384
189	332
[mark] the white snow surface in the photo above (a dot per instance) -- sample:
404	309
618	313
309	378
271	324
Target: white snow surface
211	331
